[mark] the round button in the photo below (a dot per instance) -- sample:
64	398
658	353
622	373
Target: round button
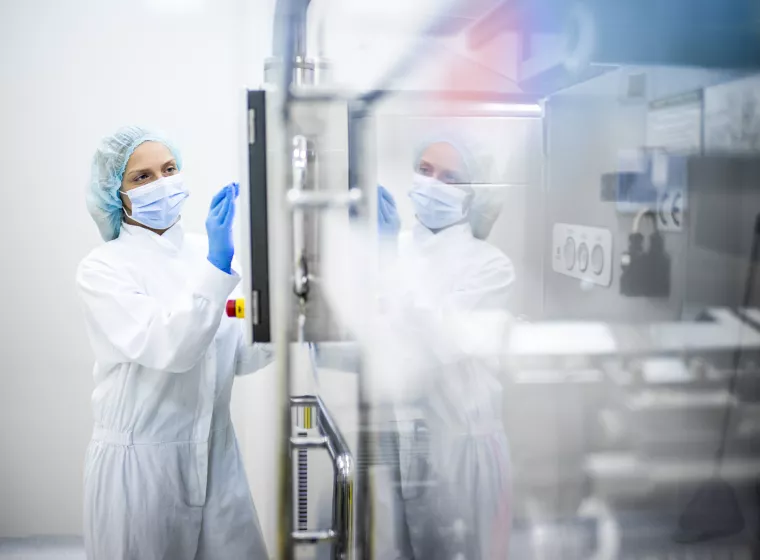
583	257
569	253
597	259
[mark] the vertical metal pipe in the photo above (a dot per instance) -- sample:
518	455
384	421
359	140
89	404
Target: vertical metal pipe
290	28
289	37
299	170
281	232
289	45
343	485
343	518
361	177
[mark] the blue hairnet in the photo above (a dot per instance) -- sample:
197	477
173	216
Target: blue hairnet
458	144
108	165
487	201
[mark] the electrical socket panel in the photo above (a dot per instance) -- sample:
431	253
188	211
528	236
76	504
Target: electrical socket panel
583	252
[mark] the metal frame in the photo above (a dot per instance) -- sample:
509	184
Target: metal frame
341	534
287	201
287	204
258	222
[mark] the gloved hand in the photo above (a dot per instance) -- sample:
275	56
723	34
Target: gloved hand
221	248
388	222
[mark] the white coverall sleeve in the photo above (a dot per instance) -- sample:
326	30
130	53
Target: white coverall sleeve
129	326
250	359
426	339
465	313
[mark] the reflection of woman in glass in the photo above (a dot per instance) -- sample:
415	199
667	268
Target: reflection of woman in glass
453	453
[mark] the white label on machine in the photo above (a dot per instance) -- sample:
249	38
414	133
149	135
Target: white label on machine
675	124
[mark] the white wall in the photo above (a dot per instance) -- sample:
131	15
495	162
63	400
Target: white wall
71	72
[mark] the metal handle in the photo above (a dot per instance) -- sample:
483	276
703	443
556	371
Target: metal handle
319	200
341	534
300	169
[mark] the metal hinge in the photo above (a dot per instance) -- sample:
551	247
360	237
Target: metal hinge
251	127
255	307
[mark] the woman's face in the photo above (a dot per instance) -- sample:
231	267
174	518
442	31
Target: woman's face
149	162
443	162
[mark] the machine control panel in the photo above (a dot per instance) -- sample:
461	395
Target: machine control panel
583	252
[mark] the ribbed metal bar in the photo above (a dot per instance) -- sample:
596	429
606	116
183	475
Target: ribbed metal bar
314	537
304	400
300	442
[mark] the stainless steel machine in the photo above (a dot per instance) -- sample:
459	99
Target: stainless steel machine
631	381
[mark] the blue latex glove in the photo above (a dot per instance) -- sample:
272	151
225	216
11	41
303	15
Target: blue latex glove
221	247
388	222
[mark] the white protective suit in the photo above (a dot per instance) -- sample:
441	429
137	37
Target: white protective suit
163	473
453	499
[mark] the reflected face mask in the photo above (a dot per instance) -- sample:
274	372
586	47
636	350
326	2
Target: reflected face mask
437	204
157	205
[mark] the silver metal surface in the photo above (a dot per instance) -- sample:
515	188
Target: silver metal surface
309	442
314	537
307	69
362	145
300	169
318	200
279	180
251	127
342	531
535	346
304	400
289	44
281	232
343	482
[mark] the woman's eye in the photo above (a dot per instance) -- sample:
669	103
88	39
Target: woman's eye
140	178
171	169
451	178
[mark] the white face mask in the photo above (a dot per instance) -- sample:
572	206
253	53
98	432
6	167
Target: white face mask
157	205
437	204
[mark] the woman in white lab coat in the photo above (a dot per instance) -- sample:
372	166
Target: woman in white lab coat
163	474
454	493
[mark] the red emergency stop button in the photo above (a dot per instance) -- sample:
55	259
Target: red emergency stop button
236	308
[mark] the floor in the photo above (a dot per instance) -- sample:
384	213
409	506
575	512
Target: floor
42	548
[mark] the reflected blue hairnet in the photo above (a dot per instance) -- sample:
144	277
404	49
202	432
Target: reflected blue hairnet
487	201
459	145
108	164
